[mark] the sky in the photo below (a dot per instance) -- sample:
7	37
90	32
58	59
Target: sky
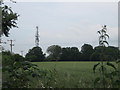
68	24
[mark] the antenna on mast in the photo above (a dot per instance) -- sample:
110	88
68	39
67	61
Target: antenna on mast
37	37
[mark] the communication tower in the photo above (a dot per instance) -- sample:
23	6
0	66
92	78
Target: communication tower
37	37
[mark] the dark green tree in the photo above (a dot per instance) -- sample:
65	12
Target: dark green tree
35	55
110	53
70	53
54	52
9	19
19	73
95	56
86	51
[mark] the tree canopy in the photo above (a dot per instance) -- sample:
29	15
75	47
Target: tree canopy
35	54
70	53
19	73
87	53
9	19
110	53
54	52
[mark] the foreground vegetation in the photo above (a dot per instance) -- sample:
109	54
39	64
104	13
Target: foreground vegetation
72	74
19	72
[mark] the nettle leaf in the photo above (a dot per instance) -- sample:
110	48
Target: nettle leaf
106	42
106	35
104	27
118	61
112	65
102	69
108	75
95	66
34	75
102	37
117	82
99	32
97	80
114	73
17	64
100	42
103	30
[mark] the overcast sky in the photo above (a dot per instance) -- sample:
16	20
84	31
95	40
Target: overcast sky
68	24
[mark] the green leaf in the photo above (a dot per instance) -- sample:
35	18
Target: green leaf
103	31
114	73
102	37
112	65
95	66
97	80
106	42
118	61
108	75
100	42
99	32
102	69
106	35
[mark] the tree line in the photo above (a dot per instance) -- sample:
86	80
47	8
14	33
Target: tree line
87	53
19	73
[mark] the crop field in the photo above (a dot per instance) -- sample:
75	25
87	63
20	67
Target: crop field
71	74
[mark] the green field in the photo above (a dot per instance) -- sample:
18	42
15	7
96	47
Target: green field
71	74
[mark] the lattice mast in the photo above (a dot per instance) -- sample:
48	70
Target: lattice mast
37	37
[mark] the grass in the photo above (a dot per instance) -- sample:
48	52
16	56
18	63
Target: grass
71	74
